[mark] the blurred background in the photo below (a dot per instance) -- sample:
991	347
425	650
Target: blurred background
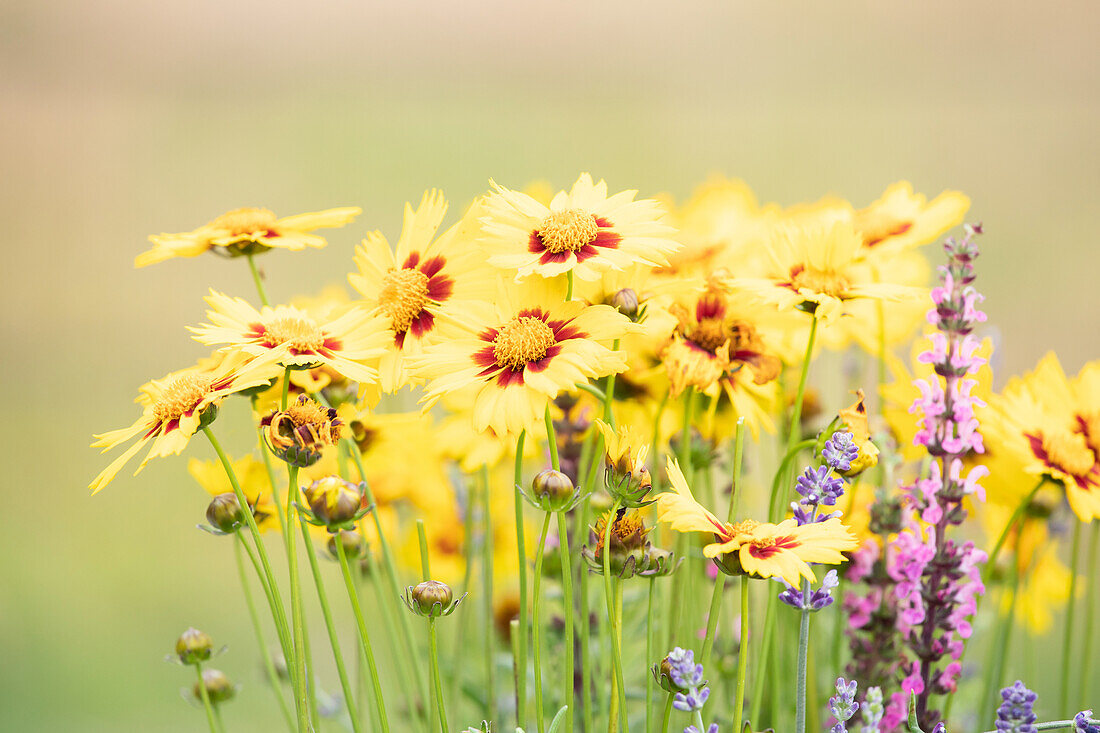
121	118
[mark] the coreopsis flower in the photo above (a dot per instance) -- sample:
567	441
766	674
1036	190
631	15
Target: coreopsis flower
627	540
1051	426
301	432
291	337
901	219
522	351
626	476
252	477
815	267
584	231
759	549
247	231
411	285
176	406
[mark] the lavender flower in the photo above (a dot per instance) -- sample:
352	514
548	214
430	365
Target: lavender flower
839	451
872	710
843	705
819	598
1016	714
688	676
712	728
1083	723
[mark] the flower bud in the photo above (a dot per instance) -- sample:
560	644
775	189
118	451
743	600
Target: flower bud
662	673
626	302
333	500
431	593
298	434
553	490
194	646
224	513
353	543
218	687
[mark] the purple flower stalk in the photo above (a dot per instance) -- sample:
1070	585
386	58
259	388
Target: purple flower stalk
819	599
688	676
872	711
817	486
843	705
1016	713
1083	723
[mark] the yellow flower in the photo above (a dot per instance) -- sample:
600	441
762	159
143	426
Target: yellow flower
289	336
521	352
409	287
763	550
247	231
1050	427
583	231
473	449
175	406
251	474
815	267
901	219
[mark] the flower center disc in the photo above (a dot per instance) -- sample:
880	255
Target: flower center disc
567	231
404	294
180	396
522	340
245	221
829	282
745	526
1069	452
301	334
709	334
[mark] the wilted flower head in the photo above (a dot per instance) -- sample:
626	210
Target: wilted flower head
626	539
298	434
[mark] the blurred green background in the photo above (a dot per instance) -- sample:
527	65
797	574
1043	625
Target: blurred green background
124	118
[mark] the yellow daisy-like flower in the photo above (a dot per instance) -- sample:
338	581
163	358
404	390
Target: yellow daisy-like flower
1051	427
174	407
584	231
291	337
472	449
521	351
763	550
247	231
251	474
411	286
901	219
815	267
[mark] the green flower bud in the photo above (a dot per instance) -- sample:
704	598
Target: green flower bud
218	687
553	490
431	599
353	543
194	646
224	513
333	500
626	302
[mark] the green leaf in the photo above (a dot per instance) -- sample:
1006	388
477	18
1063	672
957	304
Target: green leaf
914	724
557	721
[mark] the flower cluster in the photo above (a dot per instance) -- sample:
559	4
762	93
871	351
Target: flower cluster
687	675
1016	713
843	704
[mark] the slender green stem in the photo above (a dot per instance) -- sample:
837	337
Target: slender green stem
285	397
586	630
618	702
364	638
742	656
676	598
567	590
535	625
592	390
609	392
487	591
265	653
551	438
712	618
780	489
333	638
282	631
760	669
521	552
468	550
218	717
297	615
1019	512
1071	606
205	696
803	651
1085	678
569	285
994	674
649	681
699	720
257	279
668	714
654	448
433	646
435	699
1057	725
796	421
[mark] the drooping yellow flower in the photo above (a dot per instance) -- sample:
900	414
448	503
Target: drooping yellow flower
473	449
1050	426
901	219
763	550
289	336
247	231
411	286
174	407
584	231
815	267
521	351
251	475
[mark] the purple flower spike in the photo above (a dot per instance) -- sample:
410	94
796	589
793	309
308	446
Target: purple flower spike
839	451
1016	713
843	705
1084	723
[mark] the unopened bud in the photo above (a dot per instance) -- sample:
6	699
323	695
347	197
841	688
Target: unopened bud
553	489
224	513
333	500
353	543
626	302
218	687
194	646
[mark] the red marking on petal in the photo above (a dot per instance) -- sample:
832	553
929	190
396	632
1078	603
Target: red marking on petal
708	307
399	339
544	362
333	344
411	261
440	288
422	324
488	334
899	229
484	357
788	542
548	257
533	313
432	266
607	239
569	332
534	244
508	377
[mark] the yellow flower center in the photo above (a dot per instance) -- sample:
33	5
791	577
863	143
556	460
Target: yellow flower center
302	334
404	294
522	340
710	334
745	526
829	282
180	396
1069	452
763	542
567	231
307	412
245	221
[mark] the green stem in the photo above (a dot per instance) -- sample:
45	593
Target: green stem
258	280
649	681
569	285
1067	640
551	438
284	399
995	672
759	671
586	630
433	645
521	552
206	704
676	599
712	618
487	591
364	638
468	548
333	638
615	618
435	699
780	490
796	415
654	453
265	653
1085	677
609	392
592	390
1020	509
1057	725
304	689
803	650
668	714
535	630
742	656
567	590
